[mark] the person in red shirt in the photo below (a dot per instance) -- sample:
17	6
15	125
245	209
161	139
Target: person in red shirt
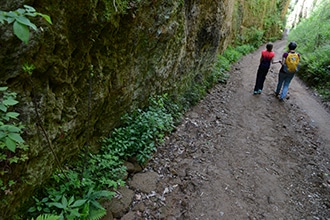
265	60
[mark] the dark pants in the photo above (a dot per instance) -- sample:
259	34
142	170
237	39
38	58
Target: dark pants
261	76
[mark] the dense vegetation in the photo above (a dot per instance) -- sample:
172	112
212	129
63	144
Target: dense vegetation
313	38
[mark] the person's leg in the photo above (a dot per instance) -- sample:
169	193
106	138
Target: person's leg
262	79
287	81
261	76
257	85
279	83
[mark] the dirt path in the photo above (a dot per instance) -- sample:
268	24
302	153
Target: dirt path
243	156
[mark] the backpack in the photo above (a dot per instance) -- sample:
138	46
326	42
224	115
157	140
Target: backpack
291	64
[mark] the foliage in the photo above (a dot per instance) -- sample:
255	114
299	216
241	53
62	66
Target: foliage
138	137
92	208
219	73
69	209
224	61
256	22
85	208
40	205
141	132
254	36
106	169
9	132
10	136
47	217
313	38
194	94
28	68
232	55
245	49
21	23
172	108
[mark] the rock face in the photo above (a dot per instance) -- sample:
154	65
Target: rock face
101	58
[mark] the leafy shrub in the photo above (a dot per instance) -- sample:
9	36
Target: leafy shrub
138	137
251	36
140	133
12	147
245	49
232	55
220	68
316	66
194	94
70	201
21	23
47	217
87	208
313	38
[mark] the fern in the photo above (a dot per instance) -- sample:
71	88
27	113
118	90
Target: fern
96	214
47	217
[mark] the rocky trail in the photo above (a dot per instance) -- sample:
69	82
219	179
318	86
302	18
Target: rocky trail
239	156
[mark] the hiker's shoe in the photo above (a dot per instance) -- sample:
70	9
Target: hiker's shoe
255	92
281	100
259	91
276	94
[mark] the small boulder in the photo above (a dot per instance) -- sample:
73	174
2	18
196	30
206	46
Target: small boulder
144	182
119	205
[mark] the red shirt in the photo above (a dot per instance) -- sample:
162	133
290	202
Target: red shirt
267	55
266	58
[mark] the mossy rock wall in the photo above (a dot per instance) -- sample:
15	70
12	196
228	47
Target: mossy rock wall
116	56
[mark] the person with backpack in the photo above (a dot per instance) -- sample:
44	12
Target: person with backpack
290	65
265	60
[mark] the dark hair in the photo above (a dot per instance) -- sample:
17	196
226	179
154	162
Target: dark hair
292	45
269	47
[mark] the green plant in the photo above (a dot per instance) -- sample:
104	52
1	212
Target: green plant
40	205
140	133
62	186
137	138
103	171
92	209
21	23
254	37
47	217
106	169
28	68
313	38
245	49
232	55
69	209
9	132
172	107
224	61
87	208
10	137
